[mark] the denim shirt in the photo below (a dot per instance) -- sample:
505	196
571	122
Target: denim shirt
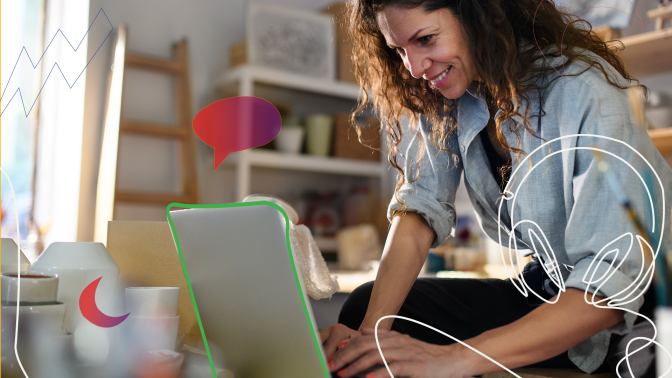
563	205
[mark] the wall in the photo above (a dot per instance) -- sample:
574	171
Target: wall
211	28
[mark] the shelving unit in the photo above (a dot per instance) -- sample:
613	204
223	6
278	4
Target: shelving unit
243	80
334	165
648	54
662	139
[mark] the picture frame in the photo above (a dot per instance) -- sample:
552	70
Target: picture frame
291	40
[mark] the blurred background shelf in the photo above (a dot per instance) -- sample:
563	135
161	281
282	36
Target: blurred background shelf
303	95
304	162
246	76
648	53
662	139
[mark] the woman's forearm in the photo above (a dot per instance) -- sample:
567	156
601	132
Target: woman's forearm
548	331
404	254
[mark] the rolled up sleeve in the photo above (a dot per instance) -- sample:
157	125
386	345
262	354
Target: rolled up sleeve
430	186
600	239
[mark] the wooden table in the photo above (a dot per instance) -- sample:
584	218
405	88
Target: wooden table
548	373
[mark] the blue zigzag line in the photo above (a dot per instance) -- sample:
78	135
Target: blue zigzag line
54	66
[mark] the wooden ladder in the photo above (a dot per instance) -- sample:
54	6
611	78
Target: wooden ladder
178	66
107	195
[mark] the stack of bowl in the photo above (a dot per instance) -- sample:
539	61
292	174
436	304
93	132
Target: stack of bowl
153	320
41	336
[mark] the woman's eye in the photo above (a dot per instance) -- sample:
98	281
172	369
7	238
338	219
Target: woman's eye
425	40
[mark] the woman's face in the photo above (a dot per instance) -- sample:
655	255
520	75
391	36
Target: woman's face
432	45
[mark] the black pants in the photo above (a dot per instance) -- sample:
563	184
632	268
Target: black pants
465	308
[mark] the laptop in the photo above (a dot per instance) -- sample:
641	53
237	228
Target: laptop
250	299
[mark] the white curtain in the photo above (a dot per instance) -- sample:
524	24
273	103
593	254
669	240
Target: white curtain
61	119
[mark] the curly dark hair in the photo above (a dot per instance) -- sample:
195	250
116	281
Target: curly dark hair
495	30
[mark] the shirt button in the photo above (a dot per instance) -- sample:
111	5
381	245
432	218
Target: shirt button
462	148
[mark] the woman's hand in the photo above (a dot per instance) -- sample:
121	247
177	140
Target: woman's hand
334	335
406	357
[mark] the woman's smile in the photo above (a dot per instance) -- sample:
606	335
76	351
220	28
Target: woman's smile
441	79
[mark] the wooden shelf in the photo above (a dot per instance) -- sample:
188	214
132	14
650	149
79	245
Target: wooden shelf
289	80
662	139
138	197
165	131
302	162
648	53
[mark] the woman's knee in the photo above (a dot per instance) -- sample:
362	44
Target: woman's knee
354	308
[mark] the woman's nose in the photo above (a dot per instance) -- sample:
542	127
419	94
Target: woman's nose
417	63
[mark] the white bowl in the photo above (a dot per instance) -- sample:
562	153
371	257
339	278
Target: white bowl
152	302
153	333
36	287
659	118
9	257
45	318
77	265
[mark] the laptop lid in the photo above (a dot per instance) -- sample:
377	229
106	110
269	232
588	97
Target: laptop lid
247	292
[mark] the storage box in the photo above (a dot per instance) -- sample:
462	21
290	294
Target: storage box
238	54
146	255
346	144
344	67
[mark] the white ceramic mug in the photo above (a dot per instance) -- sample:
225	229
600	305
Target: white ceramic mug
289	139
36	287
152	302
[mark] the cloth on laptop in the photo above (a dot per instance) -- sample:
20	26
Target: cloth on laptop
319	283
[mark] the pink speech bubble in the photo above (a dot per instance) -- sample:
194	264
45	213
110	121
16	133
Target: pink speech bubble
236	124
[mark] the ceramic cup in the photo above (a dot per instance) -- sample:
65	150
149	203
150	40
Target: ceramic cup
289	139
40	339
152	302
318	134
36	288
78	264
45	318
153	333
9	257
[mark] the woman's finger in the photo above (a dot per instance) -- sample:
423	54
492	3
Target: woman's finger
350	351
353	350
372	358
399	369
324	334
339	333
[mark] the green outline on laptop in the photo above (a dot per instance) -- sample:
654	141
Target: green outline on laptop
291	259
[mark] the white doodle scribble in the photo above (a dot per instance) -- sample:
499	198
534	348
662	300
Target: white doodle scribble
552	267
18	275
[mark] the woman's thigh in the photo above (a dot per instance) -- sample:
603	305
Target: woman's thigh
462	308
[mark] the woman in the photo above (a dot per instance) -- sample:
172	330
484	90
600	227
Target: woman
491	94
